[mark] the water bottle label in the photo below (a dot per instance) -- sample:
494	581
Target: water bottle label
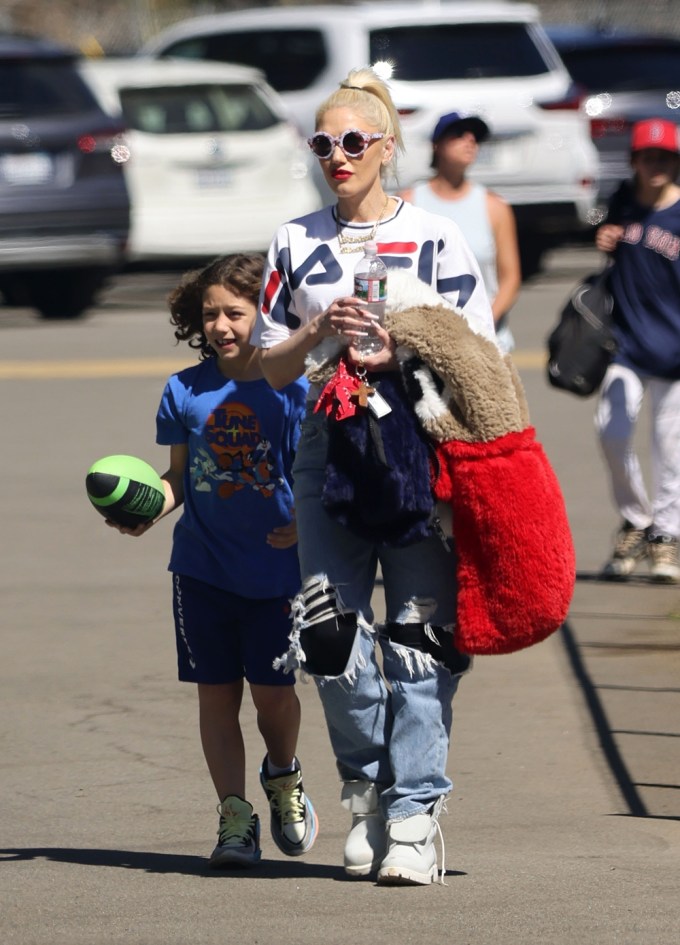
370	290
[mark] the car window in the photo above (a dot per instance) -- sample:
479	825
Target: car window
458	51
39	88
617	68
195	109
290	59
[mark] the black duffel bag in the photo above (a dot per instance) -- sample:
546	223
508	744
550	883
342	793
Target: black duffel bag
581	346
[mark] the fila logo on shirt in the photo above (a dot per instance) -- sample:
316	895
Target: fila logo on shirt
322	268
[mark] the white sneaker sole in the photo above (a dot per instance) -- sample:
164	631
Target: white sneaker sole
666	575
403	876
620	568
359	871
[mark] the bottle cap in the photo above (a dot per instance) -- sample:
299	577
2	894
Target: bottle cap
370	246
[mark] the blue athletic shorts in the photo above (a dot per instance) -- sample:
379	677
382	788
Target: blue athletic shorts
222	637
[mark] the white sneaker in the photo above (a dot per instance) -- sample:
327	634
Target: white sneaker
663	554
630	547
411	857
366	842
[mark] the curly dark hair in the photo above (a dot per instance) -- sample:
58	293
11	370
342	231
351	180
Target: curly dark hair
241	272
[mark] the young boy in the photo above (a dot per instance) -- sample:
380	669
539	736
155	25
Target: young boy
643	234
234	559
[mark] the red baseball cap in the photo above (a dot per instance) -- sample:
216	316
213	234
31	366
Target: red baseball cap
655	133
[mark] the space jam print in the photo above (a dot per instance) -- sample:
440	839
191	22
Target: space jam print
238	456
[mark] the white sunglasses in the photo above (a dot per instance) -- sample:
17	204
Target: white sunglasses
352	143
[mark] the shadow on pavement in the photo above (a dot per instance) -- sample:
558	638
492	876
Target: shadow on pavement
183	864
606	733
631	580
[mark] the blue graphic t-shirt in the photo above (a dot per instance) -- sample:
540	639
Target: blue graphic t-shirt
241	438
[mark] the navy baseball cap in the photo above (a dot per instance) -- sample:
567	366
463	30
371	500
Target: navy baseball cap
454	122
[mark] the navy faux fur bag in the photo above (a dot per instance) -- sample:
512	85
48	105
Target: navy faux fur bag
378	480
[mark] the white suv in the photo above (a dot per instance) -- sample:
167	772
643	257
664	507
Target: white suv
488	58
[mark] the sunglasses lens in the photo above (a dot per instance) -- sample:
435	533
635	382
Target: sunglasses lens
322	146
353	144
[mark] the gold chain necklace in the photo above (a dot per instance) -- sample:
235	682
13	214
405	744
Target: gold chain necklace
355	244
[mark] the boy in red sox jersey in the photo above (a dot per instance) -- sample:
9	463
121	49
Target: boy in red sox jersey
642	232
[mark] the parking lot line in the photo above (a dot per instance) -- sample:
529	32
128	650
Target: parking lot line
152	367
102	368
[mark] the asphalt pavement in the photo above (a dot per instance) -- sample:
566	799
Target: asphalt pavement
564	822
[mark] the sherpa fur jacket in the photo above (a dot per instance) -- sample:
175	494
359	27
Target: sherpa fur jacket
515	564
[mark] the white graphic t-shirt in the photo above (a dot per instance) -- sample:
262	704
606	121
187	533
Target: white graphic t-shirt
306	271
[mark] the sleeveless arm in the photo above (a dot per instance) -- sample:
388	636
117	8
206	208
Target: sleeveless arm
507	254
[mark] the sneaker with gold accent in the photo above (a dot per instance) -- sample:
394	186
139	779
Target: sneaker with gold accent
630	547
238	835
294	824
663	555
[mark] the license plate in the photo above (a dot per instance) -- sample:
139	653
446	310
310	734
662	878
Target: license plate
26	169
214	177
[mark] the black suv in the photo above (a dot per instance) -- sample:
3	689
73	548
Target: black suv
626	77
64	206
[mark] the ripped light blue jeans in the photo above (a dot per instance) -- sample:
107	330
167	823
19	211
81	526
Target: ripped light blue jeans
390	726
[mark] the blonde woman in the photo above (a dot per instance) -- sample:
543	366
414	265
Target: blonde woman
389	726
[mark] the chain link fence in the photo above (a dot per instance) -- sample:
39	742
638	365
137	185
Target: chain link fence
122	26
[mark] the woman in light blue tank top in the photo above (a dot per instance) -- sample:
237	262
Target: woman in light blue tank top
486	220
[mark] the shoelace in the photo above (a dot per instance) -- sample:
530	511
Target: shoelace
443	870
439	808
286	799
664	552
234	827
628	541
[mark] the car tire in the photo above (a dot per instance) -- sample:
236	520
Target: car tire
15	289
65	294
531	250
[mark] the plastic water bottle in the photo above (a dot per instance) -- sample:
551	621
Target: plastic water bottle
370	285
